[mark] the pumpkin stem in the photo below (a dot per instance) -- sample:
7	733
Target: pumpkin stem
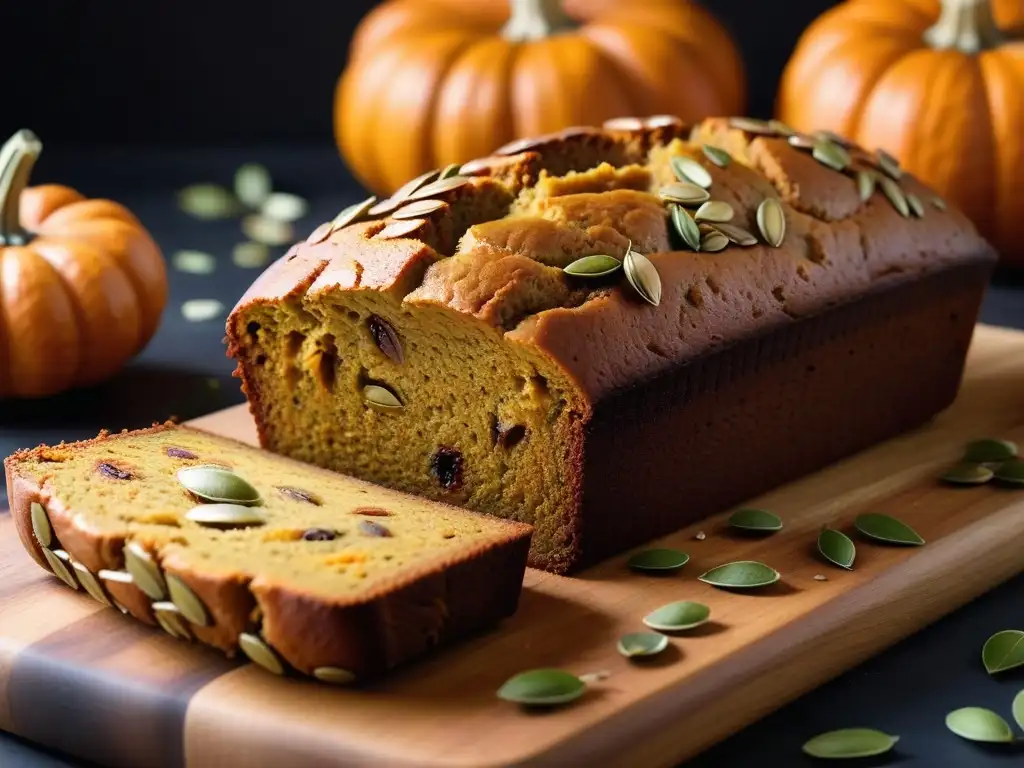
17	157
965	25
535	20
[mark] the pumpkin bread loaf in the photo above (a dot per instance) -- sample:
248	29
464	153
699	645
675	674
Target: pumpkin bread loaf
300	568
609	333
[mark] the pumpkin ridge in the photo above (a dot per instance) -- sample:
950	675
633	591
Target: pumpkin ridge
995	67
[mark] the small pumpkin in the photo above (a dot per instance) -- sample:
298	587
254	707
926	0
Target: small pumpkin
940	85
82	284
435	82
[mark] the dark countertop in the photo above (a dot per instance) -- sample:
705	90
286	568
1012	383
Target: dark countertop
183	372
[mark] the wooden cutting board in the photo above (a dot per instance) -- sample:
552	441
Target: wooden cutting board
92	683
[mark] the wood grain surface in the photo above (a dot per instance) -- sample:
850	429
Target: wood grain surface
88	681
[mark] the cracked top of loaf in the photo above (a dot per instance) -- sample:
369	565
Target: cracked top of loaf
491	240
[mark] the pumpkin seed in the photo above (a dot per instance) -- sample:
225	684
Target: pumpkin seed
121	577
713	242
889	164
250	255
201	310
194	262
989	450
689	170
968	474
225	516
717	211
751	125
90	584
321	233
887	529
399	229
268	231
866	183
1018	708
41	525
678	616
833	137
760	520
831	155
820	577
260	653
439	187
381	397
738	235
716	155
413	185
121	608
979	724
915	205
208	201
643	276
837	548
662	121
188	603
1003	651
448	172
60	569
595	677
542	688
418	208
624	124
771	220
896	197
642	644
283	206
781	128
384	207
700	535
252	185
938	203
336	675
684	193
218	485
353	213
169	618
145	572
742	574
658	560
598	265
1011	472
802	141
685	226
850	743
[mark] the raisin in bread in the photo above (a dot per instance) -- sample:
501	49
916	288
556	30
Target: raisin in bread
765	302
301	569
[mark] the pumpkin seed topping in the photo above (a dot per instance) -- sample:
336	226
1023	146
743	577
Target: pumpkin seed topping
968	474
145	572
834	138
384	207
896	197
598	265
713	242
121	577
915	205
889	164
689	170
658	560
201	310
260	653
738	235
751	125
760	520
637	644
187	602
268	231
353	213
60	569
742	574
398	229
850	743
439	187
989	450
1003	651
90	584
208	201
381	397
685	226
678	616
321	233
938	203
781	128
252	185
336	675
643	276
169	618
447	173
414	185
624	124
224	515
250	255
218	485
41	525
831	155
418	208
887	529
717	211
194	262
284	206
802	141
771	220
1011	472
716	155
837	548
684	193
866	182
979	724
542	688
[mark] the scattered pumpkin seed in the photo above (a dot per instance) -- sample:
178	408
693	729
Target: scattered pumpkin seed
188	603
866	182
642	644
751	125
121	577
216	484
269	231
336	675
439	187
831	155
595	677
716	155
700	536
1018	708
542	688
658	560
781	128
938	203
838	548
689	170
249	255
678	616
208	201
381	397
252	185
41	525
820	577
896	197
979	724
598	265
717	211
1011	472
145	572
643	276
418	208
283	206
989	450
850	743
90	584
260	653
889	164
760	520
771	220
398	229
194	262
742	574
968	474
685	226
915	205
684	193
1003	651
713	242
169	618
353	213
738	235
201	310
887	529
60	569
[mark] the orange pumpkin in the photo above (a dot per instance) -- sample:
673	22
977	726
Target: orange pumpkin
434	82
940	85
82	284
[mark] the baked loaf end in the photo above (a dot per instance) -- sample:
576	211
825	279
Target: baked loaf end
435	344
324	575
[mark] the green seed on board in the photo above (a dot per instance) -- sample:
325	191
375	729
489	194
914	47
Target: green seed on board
1003	651
283	206
658	560
717	211
60	568
1018	709
771	220
41	525
353	213
217	485
678	616
689	170
643	276
642	644
598	265
250	255
252	185
208	201
685	226
838	548
269	231
542	688
713	242
979	724
381	398
989	449
716	155
738	235
260	653
968	474
188	602
90	584
831	155
684	193
144	570
896	197
915	205
337	675
202	310
225	515
760	520
742	574
1011	472
194	262
887	529
938	203
866	182
850	743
